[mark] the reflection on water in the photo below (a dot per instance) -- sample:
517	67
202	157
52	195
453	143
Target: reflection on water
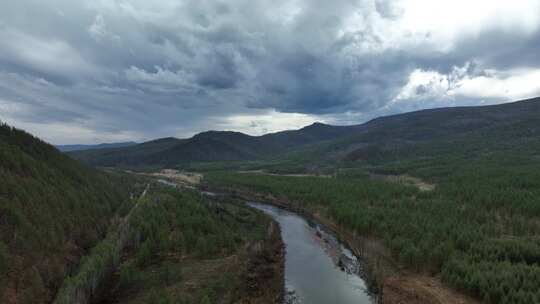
318	268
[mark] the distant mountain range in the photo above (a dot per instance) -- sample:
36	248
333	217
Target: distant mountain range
421	132
69	148
211	146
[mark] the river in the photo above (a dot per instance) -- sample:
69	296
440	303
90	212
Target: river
318	268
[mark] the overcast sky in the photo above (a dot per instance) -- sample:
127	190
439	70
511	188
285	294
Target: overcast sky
74	71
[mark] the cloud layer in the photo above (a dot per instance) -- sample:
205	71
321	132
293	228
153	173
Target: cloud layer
95	71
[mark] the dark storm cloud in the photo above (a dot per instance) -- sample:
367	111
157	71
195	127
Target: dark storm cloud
502	49
306	83
173	68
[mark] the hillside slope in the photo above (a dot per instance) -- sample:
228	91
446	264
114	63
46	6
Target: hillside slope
445	122
211	146
416	134
52	211
434	133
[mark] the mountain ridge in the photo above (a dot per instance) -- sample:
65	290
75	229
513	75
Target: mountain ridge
387	131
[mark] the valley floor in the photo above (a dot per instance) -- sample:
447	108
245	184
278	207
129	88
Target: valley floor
179	247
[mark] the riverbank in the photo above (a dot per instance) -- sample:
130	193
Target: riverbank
391	281
264	274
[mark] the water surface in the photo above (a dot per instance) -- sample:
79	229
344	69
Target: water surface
318	268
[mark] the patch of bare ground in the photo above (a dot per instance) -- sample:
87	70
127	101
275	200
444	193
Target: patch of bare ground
192	178
182	178
391	281
417	289
404	179
264	277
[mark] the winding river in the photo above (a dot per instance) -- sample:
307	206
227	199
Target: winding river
318	268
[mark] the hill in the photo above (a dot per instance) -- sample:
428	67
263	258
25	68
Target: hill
69	148
425	133
211	146
52	211
435	133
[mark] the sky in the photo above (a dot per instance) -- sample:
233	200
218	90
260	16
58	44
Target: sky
84	72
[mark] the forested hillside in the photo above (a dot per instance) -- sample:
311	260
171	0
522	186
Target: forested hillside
52	211
211	146
464	131
426	134
72	234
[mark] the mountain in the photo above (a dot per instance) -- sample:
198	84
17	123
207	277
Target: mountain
212	146
52	211
433	132
69	148
424	133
